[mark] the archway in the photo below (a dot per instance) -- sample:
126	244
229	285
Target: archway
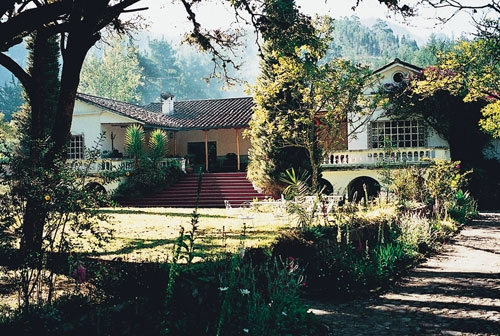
325	186
356	191
95	187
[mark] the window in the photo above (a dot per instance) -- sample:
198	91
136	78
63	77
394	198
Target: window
76	146
398	77
398	134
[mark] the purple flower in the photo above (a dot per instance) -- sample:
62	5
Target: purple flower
80	273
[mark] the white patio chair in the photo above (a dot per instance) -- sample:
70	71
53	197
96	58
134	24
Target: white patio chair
243	212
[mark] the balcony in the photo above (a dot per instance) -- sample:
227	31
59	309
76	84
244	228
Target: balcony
375	157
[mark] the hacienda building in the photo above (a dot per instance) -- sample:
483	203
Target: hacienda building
210	133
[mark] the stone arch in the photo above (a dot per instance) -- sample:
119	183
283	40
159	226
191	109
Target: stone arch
95	187
326	186
355	189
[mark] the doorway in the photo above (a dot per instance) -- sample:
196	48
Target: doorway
197	149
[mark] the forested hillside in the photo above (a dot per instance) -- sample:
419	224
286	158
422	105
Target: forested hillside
378	44
373	46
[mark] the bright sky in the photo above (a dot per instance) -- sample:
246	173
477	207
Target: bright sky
168	17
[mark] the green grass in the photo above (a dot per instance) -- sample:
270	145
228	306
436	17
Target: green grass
149	234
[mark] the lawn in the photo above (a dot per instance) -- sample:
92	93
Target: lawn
148	234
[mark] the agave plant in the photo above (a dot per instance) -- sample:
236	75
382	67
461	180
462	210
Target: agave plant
134	140
158	141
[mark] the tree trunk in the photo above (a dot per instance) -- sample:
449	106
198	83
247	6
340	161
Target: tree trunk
33	225
35	214
73	57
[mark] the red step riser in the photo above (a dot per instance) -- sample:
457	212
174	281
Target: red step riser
215	188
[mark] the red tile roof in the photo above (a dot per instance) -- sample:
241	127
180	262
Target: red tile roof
187	115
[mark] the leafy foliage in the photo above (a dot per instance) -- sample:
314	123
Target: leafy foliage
134	143
147	176
372	46
10	98
158	141
301	103
114	75
471	70
71	214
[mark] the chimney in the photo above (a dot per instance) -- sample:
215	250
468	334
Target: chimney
167	103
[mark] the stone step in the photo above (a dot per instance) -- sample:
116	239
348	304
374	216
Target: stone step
215	189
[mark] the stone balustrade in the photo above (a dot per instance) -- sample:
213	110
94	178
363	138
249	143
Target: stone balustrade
109	164
377	156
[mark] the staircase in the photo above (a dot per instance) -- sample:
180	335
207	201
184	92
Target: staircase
215	189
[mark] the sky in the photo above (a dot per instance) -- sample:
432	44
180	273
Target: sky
168	17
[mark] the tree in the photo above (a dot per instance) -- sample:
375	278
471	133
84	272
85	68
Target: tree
134	142
158	142
291	46
115	75
300	101
477	11
53	194
10	98
457	122
37	123
6	132
160	71
51	104
471	70
447	114
428	54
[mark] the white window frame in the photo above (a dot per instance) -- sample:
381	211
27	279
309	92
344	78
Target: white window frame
397	134
76	148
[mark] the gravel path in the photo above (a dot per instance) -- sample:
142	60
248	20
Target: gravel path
456	292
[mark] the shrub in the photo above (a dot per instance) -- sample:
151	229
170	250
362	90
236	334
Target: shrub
417	236
463	207
146	180
407	185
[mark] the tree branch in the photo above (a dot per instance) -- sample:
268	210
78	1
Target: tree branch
16	70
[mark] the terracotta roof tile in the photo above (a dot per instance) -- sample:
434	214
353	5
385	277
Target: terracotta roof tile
189	114
210	113
136	112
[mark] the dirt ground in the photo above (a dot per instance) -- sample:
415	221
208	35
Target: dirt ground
455	292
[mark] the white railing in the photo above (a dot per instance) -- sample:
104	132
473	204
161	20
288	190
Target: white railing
376	156
109	165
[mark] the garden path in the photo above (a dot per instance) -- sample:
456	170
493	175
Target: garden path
455	292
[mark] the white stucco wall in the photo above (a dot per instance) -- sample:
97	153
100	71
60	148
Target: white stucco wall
340	179
91	121
359	139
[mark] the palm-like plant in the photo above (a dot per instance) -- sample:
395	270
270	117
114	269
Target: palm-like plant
297	189
158	141
134	139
